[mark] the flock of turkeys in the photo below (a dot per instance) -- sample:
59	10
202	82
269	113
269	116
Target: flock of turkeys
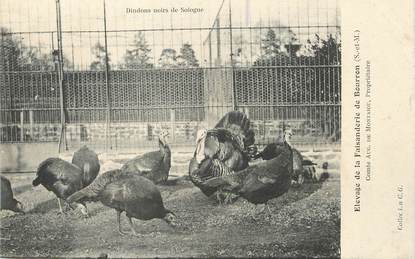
222	166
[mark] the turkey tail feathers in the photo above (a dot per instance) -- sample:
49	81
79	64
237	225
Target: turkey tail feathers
86	168
234	118
86	173
238	123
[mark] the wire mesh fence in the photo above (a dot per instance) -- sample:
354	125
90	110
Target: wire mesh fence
169	72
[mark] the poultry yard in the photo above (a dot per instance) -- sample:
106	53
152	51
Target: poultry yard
304	222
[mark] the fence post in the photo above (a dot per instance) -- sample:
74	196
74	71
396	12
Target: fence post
246	111
172	124
21	125
62	137
107	87
218	61
231	57
31	123
2	54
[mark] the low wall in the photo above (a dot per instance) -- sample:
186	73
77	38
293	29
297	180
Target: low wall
180	132
132	137
24	157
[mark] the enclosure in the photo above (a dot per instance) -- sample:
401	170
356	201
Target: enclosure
113	78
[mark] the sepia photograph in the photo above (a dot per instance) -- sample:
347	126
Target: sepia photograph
185	128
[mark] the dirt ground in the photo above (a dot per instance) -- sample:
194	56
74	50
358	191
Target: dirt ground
304	222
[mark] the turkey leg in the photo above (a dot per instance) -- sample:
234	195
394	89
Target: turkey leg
218	197
60	206
132	227
230	197
119	222
265	206
269	210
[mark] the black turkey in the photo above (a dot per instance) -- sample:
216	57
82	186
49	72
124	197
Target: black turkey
221	151
62	178
153	165
263	181
129	192
8	202
301	167
88	161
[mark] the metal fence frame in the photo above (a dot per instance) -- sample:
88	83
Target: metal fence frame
221	87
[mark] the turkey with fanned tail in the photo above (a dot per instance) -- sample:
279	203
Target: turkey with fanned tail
221	151
129	192
152	165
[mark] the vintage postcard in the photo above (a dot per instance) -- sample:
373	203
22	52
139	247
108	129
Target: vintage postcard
223	128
